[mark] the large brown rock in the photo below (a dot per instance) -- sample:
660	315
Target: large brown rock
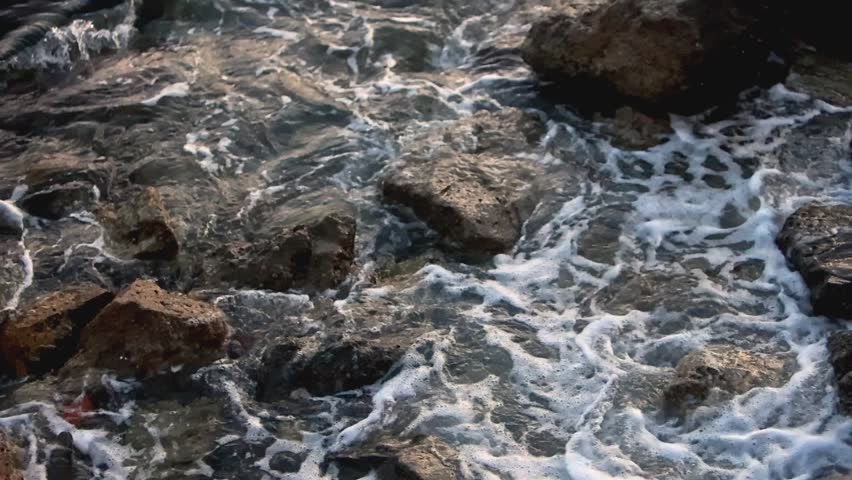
817	241
47	333
472	191
305	243
840	357
140	226
665	55
719	372
146	329
9	462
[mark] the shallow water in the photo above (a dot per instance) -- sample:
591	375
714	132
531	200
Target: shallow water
542	363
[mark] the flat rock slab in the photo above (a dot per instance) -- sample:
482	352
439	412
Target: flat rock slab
817	241
44	335
474	193
147	329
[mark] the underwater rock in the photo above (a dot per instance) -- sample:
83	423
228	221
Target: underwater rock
817	241
411	46
140	226
58	201
424	458
665	55
44	335
335	365
58	181
9	462
306	243
840	357
720	372
472	193
146	329
630	129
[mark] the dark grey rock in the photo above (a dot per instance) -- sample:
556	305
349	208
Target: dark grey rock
817	241
840	357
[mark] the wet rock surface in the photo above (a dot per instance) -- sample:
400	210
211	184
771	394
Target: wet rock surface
658	54
356	363
473	197
718	372
305	243
426	458
146	329
840	358
816	240
140	227
44	335
378	336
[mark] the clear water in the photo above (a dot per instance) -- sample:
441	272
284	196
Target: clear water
549	357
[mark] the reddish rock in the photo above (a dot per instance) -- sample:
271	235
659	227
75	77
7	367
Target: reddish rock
146	329
46	334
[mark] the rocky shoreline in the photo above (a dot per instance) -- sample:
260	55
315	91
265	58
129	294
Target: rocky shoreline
122	261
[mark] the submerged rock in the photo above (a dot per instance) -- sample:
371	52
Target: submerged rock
47	333
670	55
306	243
146	329
721	372
470	192
58	179
817	241
355	363
840	357
9	462
140	227
424	458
